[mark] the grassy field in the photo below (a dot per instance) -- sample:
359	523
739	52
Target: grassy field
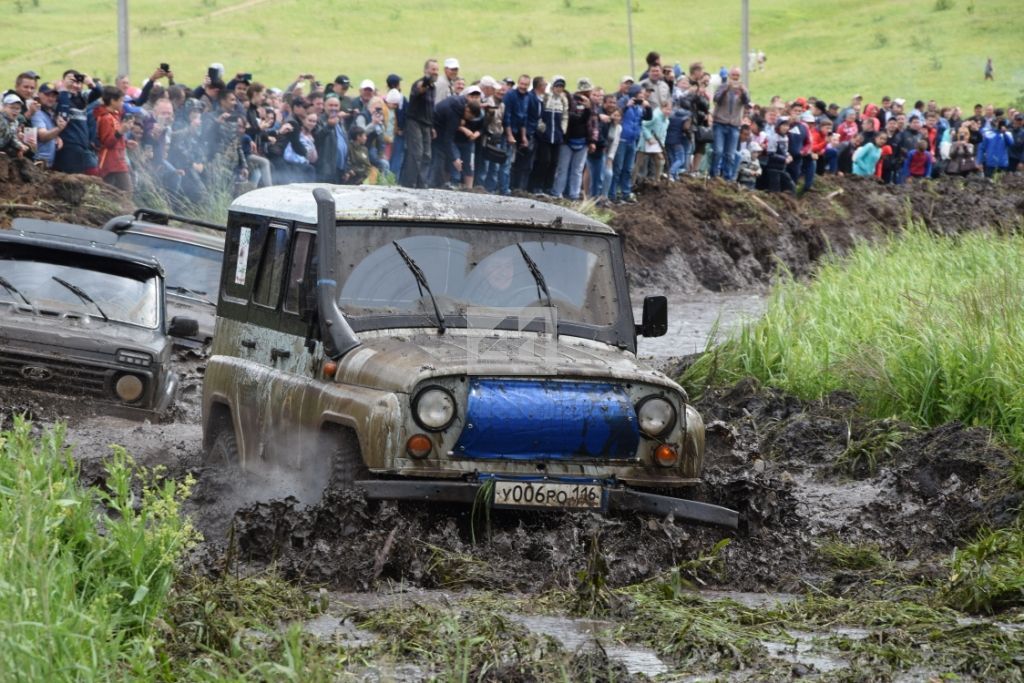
904	48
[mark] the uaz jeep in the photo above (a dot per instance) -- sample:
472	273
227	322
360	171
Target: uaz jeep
444	346
80	317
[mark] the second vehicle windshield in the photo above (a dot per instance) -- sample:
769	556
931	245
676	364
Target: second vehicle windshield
472	268
52	287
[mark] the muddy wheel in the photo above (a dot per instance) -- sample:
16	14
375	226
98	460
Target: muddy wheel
346	460
224	450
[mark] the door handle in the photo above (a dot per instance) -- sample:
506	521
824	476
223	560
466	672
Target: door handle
279	353
248	343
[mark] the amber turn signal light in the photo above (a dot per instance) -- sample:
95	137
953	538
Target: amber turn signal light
418	446
666	455
330	367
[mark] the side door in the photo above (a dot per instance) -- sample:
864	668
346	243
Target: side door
290	361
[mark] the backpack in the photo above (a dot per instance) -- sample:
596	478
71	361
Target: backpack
92	124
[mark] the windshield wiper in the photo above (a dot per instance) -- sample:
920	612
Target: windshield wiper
421	282
538	277
6	284
80	293
196	294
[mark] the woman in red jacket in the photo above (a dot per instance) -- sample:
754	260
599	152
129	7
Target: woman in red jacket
111	131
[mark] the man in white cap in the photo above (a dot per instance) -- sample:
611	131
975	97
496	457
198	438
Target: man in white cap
446	83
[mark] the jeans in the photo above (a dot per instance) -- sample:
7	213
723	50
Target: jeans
622	170
803	166
569	172
397	153
727	141
679	158
595	163
495	174
416	166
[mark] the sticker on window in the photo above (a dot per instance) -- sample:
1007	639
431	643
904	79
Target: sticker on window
242	264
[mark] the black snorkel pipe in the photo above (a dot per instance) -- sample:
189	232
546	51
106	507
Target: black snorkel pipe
335	332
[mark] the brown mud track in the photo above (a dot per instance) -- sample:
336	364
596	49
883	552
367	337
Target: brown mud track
32	192
773	457
697	234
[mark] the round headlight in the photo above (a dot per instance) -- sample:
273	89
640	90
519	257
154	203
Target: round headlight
434	408
129	388
656	416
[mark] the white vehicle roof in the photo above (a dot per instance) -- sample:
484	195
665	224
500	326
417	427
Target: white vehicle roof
381	203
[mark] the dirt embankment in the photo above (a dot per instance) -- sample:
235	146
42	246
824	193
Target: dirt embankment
29	191
697	234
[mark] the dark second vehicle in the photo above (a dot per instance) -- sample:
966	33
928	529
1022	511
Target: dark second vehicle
444	346
79	317
190	252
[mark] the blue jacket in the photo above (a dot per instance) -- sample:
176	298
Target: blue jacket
517	111
77	154
631	122
994	149
447	118
677	133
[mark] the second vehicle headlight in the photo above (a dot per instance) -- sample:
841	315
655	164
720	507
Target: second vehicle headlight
434	408
656	416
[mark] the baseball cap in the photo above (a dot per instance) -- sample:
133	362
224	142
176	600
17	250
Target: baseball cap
488	82
900	101
858	96
802	101
472	90
451	63
807	117
393	97
626	79
394	80
584	85
367	83
342	79
1018	117
558	80
508	80
47	88
12	99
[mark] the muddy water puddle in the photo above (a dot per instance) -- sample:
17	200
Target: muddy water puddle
692	318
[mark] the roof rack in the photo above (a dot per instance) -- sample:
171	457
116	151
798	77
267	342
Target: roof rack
161	218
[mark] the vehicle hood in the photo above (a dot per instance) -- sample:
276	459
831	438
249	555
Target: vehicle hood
75	336
400	359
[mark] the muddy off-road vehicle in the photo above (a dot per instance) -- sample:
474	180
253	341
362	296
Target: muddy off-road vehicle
443	346
81	318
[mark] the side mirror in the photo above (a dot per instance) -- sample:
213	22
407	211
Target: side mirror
183	327
655	317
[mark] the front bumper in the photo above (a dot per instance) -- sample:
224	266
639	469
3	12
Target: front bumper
619	498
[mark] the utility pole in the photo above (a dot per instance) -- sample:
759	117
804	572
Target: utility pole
122	37
745	46
629	23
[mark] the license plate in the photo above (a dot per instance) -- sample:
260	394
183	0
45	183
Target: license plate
542	494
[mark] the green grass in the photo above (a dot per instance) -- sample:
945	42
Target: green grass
83	572
925	328
904	48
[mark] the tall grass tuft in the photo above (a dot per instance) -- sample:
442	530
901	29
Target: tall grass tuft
83	571
929	329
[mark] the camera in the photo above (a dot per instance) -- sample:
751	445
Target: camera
213	73
164	66
246	77
80	78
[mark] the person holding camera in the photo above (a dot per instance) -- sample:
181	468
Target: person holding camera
48	125
419	120
731	99
113	131
76	153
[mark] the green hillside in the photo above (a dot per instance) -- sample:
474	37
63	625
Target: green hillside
905	48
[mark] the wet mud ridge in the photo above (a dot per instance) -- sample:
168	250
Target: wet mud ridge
701	234
800	473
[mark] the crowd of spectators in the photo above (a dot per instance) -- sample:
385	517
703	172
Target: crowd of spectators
528	133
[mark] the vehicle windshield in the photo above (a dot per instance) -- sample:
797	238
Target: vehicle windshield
194	268
475	268
122	299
